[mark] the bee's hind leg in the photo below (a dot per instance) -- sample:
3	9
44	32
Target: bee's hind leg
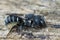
19	29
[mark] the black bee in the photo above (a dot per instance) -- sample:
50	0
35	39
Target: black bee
30	20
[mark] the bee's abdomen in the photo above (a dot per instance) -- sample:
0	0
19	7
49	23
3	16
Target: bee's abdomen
12	18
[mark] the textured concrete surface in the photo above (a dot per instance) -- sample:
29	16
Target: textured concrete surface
49	8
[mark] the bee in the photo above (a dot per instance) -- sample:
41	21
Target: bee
29	20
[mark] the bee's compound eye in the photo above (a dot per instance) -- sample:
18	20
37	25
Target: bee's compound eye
38	21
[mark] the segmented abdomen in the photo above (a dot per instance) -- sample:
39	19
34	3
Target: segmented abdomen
13	18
